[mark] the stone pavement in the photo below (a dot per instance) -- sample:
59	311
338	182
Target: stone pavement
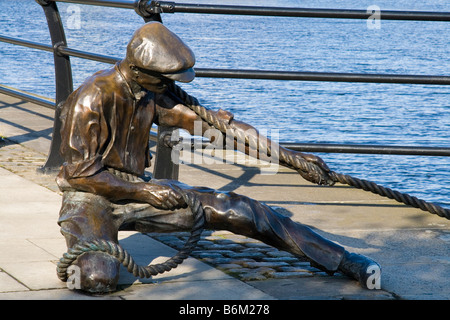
412	246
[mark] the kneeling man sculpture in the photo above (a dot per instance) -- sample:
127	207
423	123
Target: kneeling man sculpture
105	144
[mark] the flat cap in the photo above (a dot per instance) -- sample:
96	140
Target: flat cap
155	48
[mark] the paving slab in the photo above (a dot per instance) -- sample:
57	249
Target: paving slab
31	246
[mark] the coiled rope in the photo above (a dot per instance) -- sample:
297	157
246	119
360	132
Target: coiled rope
125	258
305	168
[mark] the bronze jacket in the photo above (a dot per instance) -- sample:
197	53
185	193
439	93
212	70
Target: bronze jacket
103	125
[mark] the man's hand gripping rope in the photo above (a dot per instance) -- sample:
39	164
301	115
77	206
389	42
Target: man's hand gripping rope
310	167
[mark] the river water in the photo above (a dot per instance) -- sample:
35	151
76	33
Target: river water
298	111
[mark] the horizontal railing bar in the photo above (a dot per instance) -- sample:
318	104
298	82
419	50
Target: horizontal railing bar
26	43
257	74
105	3
87	55
304	147
339	148
368	149
172	7
286	75
322	76
27	97
61	49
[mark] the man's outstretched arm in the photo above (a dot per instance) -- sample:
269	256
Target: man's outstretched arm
173	112
113	188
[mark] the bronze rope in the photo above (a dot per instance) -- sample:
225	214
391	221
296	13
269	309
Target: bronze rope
124	257
299	163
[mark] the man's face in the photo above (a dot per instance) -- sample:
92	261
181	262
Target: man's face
151	81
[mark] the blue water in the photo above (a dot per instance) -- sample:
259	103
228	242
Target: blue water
325	112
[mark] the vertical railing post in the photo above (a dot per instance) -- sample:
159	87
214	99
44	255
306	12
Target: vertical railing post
164	166
63	80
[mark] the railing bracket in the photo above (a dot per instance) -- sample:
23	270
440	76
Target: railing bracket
57	46
162	7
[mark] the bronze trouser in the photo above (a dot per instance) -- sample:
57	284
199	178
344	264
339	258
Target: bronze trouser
86	216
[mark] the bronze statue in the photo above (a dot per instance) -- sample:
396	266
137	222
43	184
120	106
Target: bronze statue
105	138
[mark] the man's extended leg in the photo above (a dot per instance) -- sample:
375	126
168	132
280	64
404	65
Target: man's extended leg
87	217
245	216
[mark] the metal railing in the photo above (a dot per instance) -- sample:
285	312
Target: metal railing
152	10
